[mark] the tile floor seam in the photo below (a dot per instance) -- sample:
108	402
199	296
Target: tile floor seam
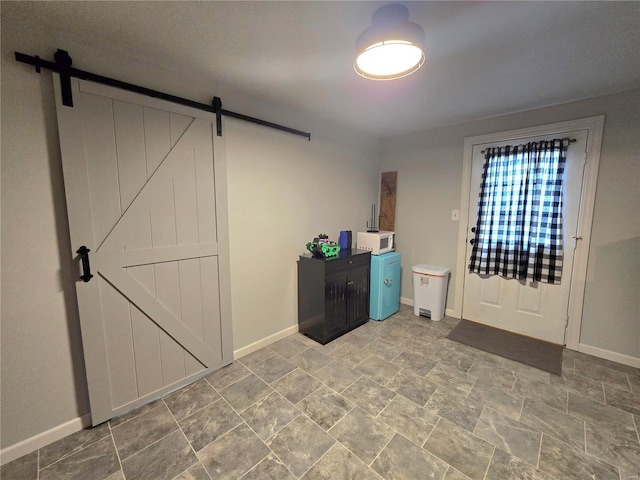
473	432
587	454
432	430
259	400
524	399
212	386
493	452
72	452
435	454
325	431
188	442
528	428
333	389
282	377
161	399
256	433
584	424
257	436
113	441
239	413
195	411
348	449
321	457
270	449
385	446
539	451
271	452
624	412
153	443
316	423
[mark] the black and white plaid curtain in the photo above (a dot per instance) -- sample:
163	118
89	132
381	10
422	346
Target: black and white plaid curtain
519	229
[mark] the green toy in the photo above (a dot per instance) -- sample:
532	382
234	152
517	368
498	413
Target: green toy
323	247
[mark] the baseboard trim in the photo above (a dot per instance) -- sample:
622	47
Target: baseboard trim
609	355
241	352
43	439
54	434
588	349
449	312
406	301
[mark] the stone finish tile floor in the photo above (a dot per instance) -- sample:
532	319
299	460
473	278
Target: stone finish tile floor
390	400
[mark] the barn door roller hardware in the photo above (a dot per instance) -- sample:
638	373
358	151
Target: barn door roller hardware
62	64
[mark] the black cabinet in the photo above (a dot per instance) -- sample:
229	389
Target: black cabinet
333	294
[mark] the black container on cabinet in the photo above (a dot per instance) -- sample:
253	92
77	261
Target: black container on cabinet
333	294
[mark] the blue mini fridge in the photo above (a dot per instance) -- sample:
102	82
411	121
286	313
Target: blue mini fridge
385	285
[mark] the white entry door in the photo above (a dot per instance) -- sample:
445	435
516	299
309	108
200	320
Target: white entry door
534	309
146	197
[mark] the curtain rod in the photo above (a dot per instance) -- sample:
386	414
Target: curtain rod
570	140
62	65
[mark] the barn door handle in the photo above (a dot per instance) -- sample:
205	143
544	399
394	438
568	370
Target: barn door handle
83	251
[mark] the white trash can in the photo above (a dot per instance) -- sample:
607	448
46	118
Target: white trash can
430	290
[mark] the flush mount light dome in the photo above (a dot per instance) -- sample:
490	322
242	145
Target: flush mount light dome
393	47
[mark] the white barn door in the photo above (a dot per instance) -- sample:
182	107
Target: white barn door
147	195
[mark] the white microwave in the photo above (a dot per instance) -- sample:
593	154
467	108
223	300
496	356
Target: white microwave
376	242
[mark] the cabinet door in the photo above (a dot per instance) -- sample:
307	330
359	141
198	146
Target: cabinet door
358	295
335	294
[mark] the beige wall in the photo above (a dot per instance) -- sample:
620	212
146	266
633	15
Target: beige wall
283	190
429	166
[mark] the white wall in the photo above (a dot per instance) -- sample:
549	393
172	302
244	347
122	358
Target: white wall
283	190
429	166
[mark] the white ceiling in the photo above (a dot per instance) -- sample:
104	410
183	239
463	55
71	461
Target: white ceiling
483	58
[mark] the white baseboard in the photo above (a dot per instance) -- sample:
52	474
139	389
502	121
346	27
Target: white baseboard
449	312
241	352
588	349
609	355
406	301
43	439
54	434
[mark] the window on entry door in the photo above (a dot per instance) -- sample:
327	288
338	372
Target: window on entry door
518	233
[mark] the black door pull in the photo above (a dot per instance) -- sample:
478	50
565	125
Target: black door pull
83	251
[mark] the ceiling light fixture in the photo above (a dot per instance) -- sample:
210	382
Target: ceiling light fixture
393	47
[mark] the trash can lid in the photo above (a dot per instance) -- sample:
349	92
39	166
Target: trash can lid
430	269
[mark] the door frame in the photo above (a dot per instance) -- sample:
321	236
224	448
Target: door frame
595	126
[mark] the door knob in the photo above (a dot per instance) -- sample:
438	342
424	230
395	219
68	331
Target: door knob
387	281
